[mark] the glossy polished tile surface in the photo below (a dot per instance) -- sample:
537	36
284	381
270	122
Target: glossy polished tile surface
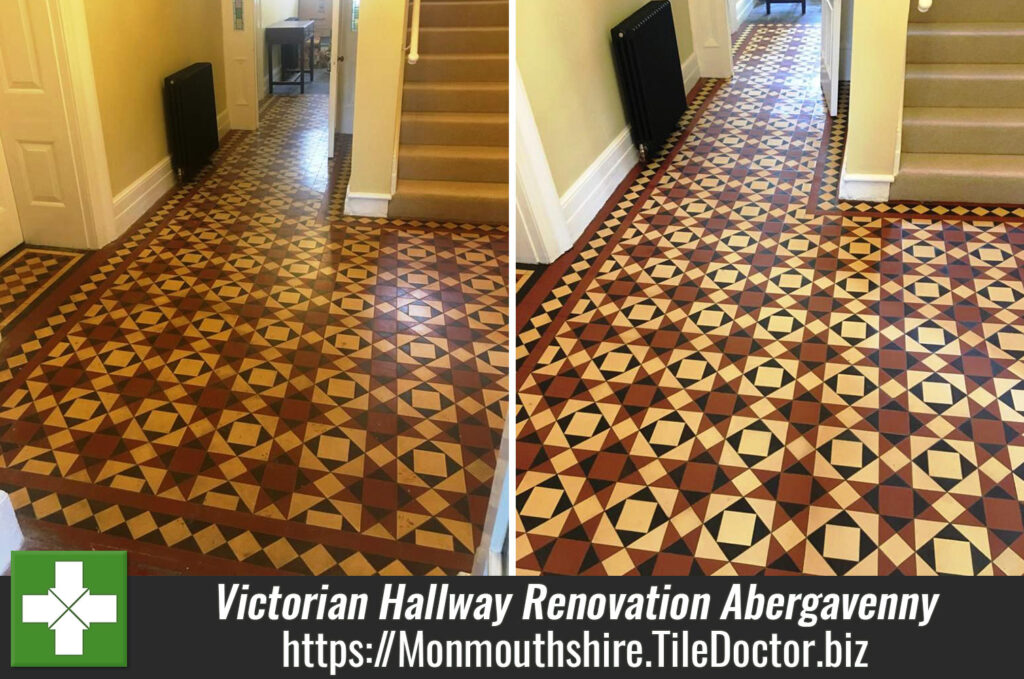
240	385
735	372
28	273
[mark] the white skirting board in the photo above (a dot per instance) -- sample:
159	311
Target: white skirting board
142	194
691	72
367	204
223	123
593	188
591	191
868	187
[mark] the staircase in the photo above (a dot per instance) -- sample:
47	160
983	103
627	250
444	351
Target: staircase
453	153
963	122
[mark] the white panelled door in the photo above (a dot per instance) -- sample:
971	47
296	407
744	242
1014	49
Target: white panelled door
831	32
335	82
348	39
34	128
240	78
10	226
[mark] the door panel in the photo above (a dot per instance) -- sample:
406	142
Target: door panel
34	129
10	228
831	25
349	40
18	49
42	180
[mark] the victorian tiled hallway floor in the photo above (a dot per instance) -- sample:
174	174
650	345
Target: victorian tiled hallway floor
736	372
248	382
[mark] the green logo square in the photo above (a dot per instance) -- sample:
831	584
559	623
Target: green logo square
69	609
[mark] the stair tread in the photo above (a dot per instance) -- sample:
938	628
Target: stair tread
465	56
457	116
967	71
993	166
487	190
431	150
963	116
462	29
964	11
966	28
488	85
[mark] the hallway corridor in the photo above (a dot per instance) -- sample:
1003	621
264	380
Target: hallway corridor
247	382
735	372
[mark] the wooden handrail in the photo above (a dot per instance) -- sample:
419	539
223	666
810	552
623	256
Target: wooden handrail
414	40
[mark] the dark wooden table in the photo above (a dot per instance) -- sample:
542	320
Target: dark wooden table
290	32
802	3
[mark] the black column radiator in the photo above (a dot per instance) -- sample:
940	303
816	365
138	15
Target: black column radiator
191	118
650	75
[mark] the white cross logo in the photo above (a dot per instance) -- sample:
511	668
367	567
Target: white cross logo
68	608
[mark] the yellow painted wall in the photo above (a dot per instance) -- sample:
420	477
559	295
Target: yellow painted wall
379	73
135	45
564	56
878	70
272	12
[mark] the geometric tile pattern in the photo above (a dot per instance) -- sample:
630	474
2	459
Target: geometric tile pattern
243	380
28	273
731	379
527	276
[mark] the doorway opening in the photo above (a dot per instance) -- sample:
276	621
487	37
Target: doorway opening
305	68
834	19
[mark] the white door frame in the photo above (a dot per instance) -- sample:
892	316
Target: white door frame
78	84
542	231
733	15
494	537
712	38
334	91
831	52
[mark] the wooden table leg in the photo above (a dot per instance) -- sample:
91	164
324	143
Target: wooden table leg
312	58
